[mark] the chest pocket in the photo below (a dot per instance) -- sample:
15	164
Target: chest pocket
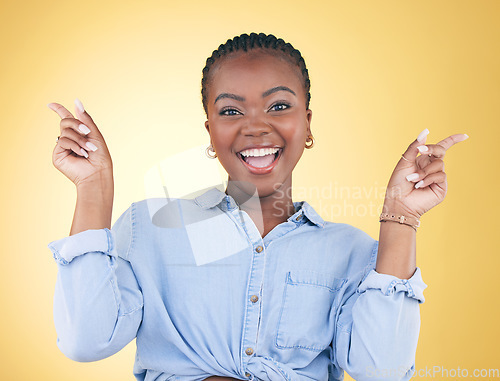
307	316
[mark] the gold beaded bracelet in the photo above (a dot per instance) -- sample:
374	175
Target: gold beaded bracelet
410	221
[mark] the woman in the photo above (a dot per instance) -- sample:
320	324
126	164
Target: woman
243	283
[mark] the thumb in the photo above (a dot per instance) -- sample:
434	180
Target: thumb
80	110
412	152
83	116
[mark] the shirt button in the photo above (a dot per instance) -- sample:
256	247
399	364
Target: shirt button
258	249
247	374
298	218
249	351
254	298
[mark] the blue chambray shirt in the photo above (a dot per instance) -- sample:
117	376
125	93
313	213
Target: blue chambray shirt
204	294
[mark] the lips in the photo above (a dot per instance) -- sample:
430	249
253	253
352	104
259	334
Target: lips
260	160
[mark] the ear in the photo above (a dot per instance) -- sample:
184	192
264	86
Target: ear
308	120
206	126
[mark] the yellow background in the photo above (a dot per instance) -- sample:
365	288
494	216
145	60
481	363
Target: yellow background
381	72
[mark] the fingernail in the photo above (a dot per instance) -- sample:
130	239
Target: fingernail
84	153
91	146
423	148
84	129
466	136
421	137
419	184
79	105
412	177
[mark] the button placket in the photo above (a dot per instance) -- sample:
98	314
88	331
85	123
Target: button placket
252	311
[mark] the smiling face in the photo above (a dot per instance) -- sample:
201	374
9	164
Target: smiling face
257	119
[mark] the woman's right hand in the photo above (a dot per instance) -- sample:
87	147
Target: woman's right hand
79	162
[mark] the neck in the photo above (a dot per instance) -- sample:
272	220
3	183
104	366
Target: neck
266	211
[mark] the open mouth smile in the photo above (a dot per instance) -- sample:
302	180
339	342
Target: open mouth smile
260	161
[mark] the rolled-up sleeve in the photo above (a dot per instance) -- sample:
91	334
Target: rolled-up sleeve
378	325
97	299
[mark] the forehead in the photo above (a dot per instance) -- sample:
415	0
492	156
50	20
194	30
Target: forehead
255	68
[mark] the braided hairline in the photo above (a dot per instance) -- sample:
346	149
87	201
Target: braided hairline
245	42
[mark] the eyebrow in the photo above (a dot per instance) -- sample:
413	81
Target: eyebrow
264	94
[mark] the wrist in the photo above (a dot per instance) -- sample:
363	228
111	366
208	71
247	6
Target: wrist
396	208
99	183
400	220
396	213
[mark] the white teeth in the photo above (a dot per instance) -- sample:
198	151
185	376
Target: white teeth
259	151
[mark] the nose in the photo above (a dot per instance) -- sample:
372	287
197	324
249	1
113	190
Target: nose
256	127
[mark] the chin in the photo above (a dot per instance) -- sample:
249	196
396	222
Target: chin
258	188
268	189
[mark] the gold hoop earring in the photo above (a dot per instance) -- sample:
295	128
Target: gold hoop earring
310	138
207	152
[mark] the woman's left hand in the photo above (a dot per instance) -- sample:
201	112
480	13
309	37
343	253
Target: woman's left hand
419	183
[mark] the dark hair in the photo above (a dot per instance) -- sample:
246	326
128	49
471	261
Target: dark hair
245	42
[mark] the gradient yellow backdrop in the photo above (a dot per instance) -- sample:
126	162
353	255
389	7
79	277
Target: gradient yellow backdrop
381	71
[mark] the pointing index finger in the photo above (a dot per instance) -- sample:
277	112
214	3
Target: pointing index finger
60	110
452	139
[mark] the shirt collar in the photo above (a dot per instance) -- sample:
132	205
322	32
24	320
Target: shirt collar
210	198
214	197
309	212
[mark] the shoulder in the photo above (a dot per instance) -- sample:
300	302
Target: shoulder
347	232
166	213
341	238
154	222
335	230
349	247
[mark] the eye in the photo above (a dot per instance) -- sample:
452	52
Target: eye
228	112
280	106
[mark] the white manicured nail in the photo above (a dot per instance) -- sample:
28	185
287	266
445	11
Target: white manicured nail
84	129
466	136
91	146
79	105
423	148
412	177
421	137
84	153
419	184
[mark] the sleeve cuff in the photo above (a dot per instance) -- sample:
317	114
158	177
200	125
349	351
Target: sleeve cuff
390	284
92	240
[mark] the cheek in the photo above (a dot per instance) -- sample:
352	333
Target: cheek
294	133
222	138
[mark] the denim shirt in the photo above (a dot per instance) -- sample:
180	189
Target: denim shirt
204	294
